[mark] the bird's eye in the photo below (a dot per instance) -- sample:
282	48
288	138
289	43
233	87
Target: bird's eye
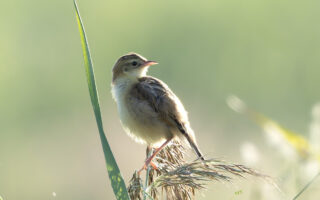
134	63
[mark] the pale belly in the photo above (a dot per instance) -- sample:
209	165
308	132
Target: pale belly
143	129
140	122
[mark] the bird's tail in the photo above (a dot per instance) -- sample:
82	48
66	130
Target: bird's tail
189	135
194	146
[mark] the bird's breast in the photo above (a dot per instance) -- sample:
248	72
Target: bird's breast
138	119
119	93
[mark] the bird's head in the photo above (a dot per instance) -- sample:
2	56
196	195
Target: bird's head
131	66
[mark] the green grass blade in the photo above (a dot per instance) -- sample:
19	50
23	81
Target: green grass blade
306	186
117	182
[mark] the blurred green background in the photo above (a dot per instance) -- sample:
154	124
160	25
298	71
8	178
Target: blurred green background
266	52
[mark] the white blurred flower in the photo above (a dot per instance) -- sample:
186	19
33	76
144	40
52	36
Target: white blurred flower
274	135
276	139
269	192
315	129
236	104
249	153
316	112
54	194
309	169
288	152
315	137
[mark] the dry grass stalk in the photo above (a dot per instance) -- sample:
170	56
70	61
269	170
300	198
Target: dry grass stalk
135	187
176	178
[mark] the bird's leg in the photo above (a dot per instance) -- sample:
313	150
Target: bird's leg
154	166
148	152
149	160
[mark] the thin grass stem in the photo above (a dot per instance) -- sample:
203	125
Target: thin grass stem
147	178
306	186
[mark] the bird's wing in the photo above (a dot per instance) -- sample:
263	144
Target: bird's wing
161	99
167	105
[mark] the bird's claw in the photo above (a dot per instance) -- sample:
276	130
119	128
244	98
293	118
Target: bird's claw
145	167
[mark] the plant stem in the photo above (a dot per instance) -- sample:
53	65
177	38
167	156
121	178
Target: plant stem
306	186
147	177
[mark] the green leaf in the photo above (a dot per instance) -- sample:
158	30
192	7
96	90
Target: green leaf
117	182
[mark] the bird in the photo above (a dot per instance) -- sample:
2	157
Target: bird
149	111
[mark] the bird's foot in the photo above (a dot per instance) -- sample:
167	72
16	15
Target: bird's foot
145	166
153	165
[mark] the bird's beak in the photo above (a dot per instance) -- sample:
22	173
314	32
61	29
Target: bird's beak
149	63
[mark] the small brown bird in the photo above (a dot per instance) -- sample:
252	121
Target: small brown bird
149	111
